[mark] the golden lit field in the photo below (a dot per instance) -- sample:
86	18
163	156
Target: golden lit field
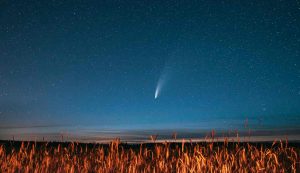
156	157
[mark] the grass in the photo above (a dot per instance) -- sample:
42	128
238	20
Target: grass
152	157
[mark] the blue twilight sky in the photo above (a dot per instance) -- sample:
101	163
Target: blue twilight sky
97	64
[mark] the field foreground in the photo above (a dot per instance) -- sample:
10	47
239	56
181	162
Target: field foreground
152	157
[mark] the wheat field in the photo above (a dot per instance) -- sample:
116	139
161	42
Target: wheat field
156	157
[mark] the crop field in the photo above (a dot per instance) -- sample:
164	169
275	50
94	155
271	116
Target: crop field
279	156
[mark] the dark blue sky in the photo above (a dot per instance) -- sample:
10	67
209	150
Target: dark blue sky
97	64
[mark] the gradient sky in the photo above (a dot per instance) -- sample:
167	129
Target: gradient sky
96	64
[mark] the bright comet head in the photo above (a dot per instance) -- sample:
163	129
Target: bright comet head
156	94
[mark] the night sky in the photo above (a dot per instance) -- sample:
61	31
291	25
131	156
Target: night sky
97	65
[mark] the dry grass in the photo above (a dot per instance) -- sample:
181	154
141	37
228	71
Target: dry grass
159	157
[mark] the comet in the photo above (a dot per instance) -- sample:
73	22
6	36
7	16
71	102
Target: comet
158	88
162	81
